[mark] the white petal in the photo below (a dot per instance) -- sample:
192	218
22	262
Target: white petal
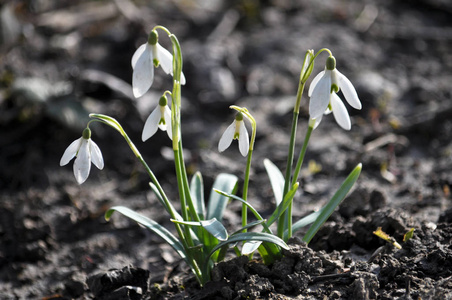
340	113
320	96
82	164
244	142
166	61
162	125
169	128
143	74
70	152
227	137
317	121
349	91
137	54
314	82
182	78
151	125
96	155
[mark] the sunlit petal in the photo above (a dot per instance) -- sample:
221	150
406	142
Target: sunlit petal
70	152
349	91
143	74
320	97
82	164
166	61
317	121
340	113
137	55
314	82
162	125
244	142
167	115
227	137
151	125
96	155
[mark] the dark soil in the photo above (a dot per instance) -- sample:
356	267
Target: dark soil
61	60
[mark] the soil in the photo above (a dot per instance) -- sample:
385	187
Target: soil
61	60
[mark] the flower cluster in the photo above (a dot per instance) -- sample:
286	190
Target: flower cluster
200	233
324	99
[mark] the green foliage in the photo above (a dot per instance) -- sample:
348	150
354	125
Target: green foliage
201	238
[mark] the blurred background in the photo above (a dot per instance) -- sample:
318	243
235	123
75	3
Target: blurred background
61	60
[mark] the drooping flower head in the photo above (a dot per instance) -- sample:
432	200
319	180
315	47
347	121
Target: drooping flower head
324	100
146	57
86	151
159	118
235	131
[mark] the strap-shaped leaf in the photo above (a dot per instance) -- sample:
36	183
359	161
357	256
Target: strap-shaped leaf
213	226
276	180
197	194
159	197
281	208
252	209
217	203
249	237
333	203
153	226
309	219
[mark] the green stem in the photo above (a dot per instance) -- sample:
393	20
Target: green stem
286	218
184	238
245	189
295	178
302	154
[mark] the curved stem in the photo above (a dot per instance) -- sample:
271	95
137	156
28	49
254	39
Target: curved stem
184	238
253	122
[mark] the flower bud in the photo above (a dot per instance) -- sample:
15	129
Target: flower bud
308	65
86	133
153	38
163	101
330	63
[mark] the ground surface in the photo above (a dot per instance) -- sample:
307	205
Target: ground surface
61	60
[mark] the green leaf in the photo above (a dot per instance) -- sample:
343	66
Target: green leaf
249	237
249	225
252	209
109	121
283	205
213	226
197	193
333	203
153	226
269	252
309	219
217	203
159	197
276	180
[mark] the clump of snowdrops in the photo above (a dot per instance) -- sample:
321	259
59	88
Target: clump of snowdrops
200	238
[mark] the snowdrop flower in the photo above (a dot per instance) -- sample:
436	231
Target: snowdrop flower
235	131
159	118
324	100
86	152
144	59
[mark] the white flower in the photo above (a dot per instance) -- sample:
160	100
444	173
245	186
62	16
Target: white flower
235	131
86	152
323	96
144	59
159	118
